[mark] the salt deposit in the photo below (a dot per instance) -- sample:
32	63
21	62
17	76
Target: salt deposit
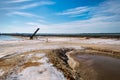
1	72
101	41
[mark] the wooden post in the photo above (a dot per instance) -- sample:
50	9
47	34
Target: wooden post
31	37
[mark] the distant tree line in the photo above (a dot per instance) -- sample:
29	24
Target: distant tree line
95	35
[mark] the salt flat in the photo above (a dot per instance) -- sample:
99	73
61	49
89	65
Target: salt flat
10	47
25	54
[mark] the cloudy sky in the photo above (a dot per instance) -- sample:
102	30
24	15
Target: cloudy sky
60	16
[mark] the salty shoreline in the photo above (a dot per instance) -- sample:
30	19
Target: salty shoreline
18	50
10	47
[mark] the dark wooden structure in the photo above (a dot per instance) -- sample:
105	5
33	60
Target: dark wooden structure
31	37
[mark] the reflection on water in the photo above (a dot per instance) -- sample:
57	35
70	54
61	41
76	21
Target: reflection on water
4	37
103	67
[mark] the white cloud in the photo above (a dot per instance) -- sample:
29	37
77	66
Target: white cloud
42	21
111	7
42	26
78	11
28	6
32	5
25	14
42	3
103	18
16	1
105	15
90	23
33	23
96	24
106	8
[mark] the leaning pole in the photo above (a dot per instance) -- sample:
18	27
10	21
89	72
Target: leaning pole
31	37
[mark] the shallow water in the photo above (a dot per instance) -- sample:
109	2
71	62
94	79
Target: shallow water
6	38
100	67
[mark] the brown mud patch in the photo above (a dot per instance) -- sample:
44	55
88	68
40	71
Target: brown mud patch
29	64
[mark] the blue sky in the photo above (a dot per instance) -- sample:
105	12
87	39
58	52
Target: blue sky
60	16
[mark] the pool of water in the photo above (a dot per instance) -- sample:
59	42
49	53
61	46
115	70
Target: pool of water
6	38
99	67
